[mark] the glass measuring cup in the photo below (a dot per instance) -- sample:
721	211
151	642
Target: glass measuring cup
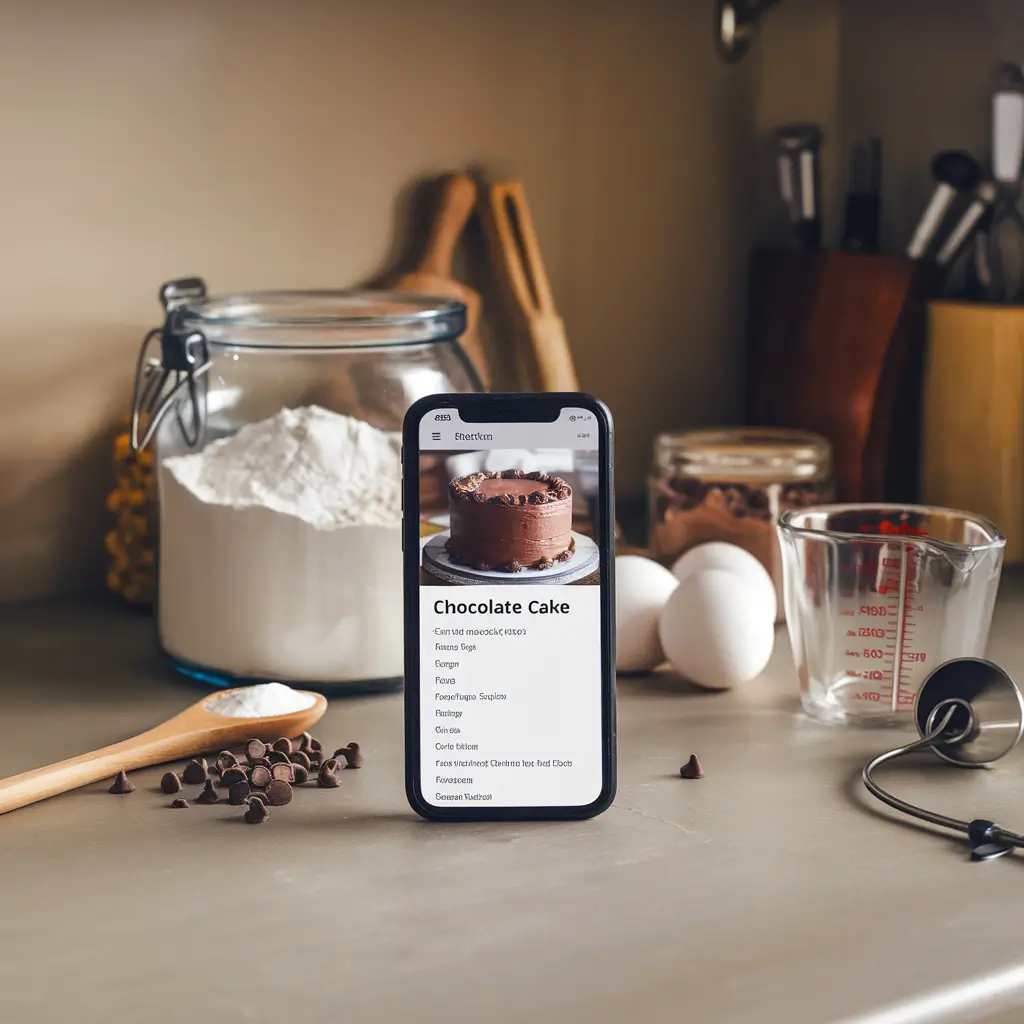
877	596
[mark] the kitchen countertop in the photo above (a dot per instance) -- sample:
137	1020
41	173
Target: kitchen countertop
771	890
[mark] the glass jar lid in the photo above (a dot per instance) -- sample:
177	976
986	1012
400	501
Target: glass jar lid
740	453
322	319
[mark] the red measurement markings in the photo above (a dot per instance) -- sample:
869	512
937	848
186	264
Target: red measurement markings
873	609
888	588
906	692
890	529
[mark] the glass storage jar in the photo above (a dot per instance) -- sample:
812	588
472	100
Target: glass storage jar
731	485
276	420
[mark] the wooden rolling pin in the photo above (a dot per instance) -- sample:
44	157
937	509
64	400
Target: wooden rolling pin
547	357
433	275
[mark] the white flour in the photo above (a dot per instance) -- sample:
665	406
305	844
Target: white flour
280	551
261	701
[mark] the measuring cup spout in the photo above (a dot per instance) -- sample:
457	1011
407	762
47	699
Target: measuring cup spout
961	559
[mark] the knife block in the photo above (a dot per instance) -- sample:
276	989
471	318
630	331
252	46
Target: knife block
835	344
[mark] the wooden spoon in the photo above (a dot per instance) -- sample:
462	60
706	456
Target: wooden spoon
195	731
433	276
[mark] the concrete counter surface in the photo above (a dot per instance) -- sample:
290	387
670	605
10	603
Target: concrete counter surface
772	890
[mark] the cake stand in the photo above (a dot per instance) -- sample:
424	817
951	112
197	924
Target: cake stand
584	560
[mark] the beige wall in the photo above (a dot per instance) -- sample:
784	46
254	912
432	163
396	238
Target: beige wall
262	144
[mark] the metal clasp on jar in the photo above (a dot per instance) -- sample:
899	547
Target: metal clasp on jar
172	380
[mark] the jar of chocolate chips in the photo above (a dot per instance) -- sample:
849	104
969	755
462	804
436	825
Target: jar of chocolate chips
731	485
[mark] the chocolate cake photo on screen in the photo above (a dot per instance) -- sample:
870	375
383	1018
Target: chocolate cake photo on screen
509	521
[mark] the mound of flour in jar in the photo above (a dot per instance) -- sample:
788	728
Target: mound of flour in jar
280	551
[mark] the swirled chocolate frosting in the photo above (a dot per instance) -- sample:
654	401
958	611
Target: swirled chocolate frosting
510	520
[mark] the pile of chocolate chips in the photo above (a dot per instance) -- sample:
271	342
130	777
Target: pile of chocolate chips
740	499
259	777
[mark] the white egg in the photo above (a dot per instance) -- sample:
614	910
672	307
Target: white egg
714	631
641	589
719	555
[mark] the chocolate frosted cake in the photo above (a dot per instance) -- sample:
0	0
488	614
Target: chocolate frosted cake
510	521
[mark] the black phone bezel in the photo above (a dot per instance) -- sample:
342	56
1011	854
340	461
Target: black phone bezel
512	408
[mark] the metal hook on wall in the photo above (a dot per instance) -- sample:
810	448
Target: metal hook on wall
736	24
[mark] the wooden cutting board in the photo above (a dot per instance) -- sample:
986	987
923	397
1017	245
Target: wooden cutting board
433	274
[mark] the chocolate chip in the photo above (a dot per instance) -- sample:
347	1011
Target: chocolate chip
233	776
226	760
257	812
692	769
301	776
279	793
283	772
283	744
315	744
352	754
239	793
208	795
122	785
258	797
170	783
277	757
260	777
255	749
300	757
304	741
328	776
179	803
195	772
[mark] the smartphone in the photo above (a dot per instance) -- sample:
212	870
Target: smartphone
509	597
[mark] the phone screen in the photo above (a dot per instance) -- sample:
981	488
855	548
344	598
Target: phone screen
510	577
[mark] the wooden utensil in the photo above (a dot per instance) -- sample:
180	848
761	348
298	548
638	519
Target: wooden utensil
194	731
835	343
548	359
433	275
972	443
